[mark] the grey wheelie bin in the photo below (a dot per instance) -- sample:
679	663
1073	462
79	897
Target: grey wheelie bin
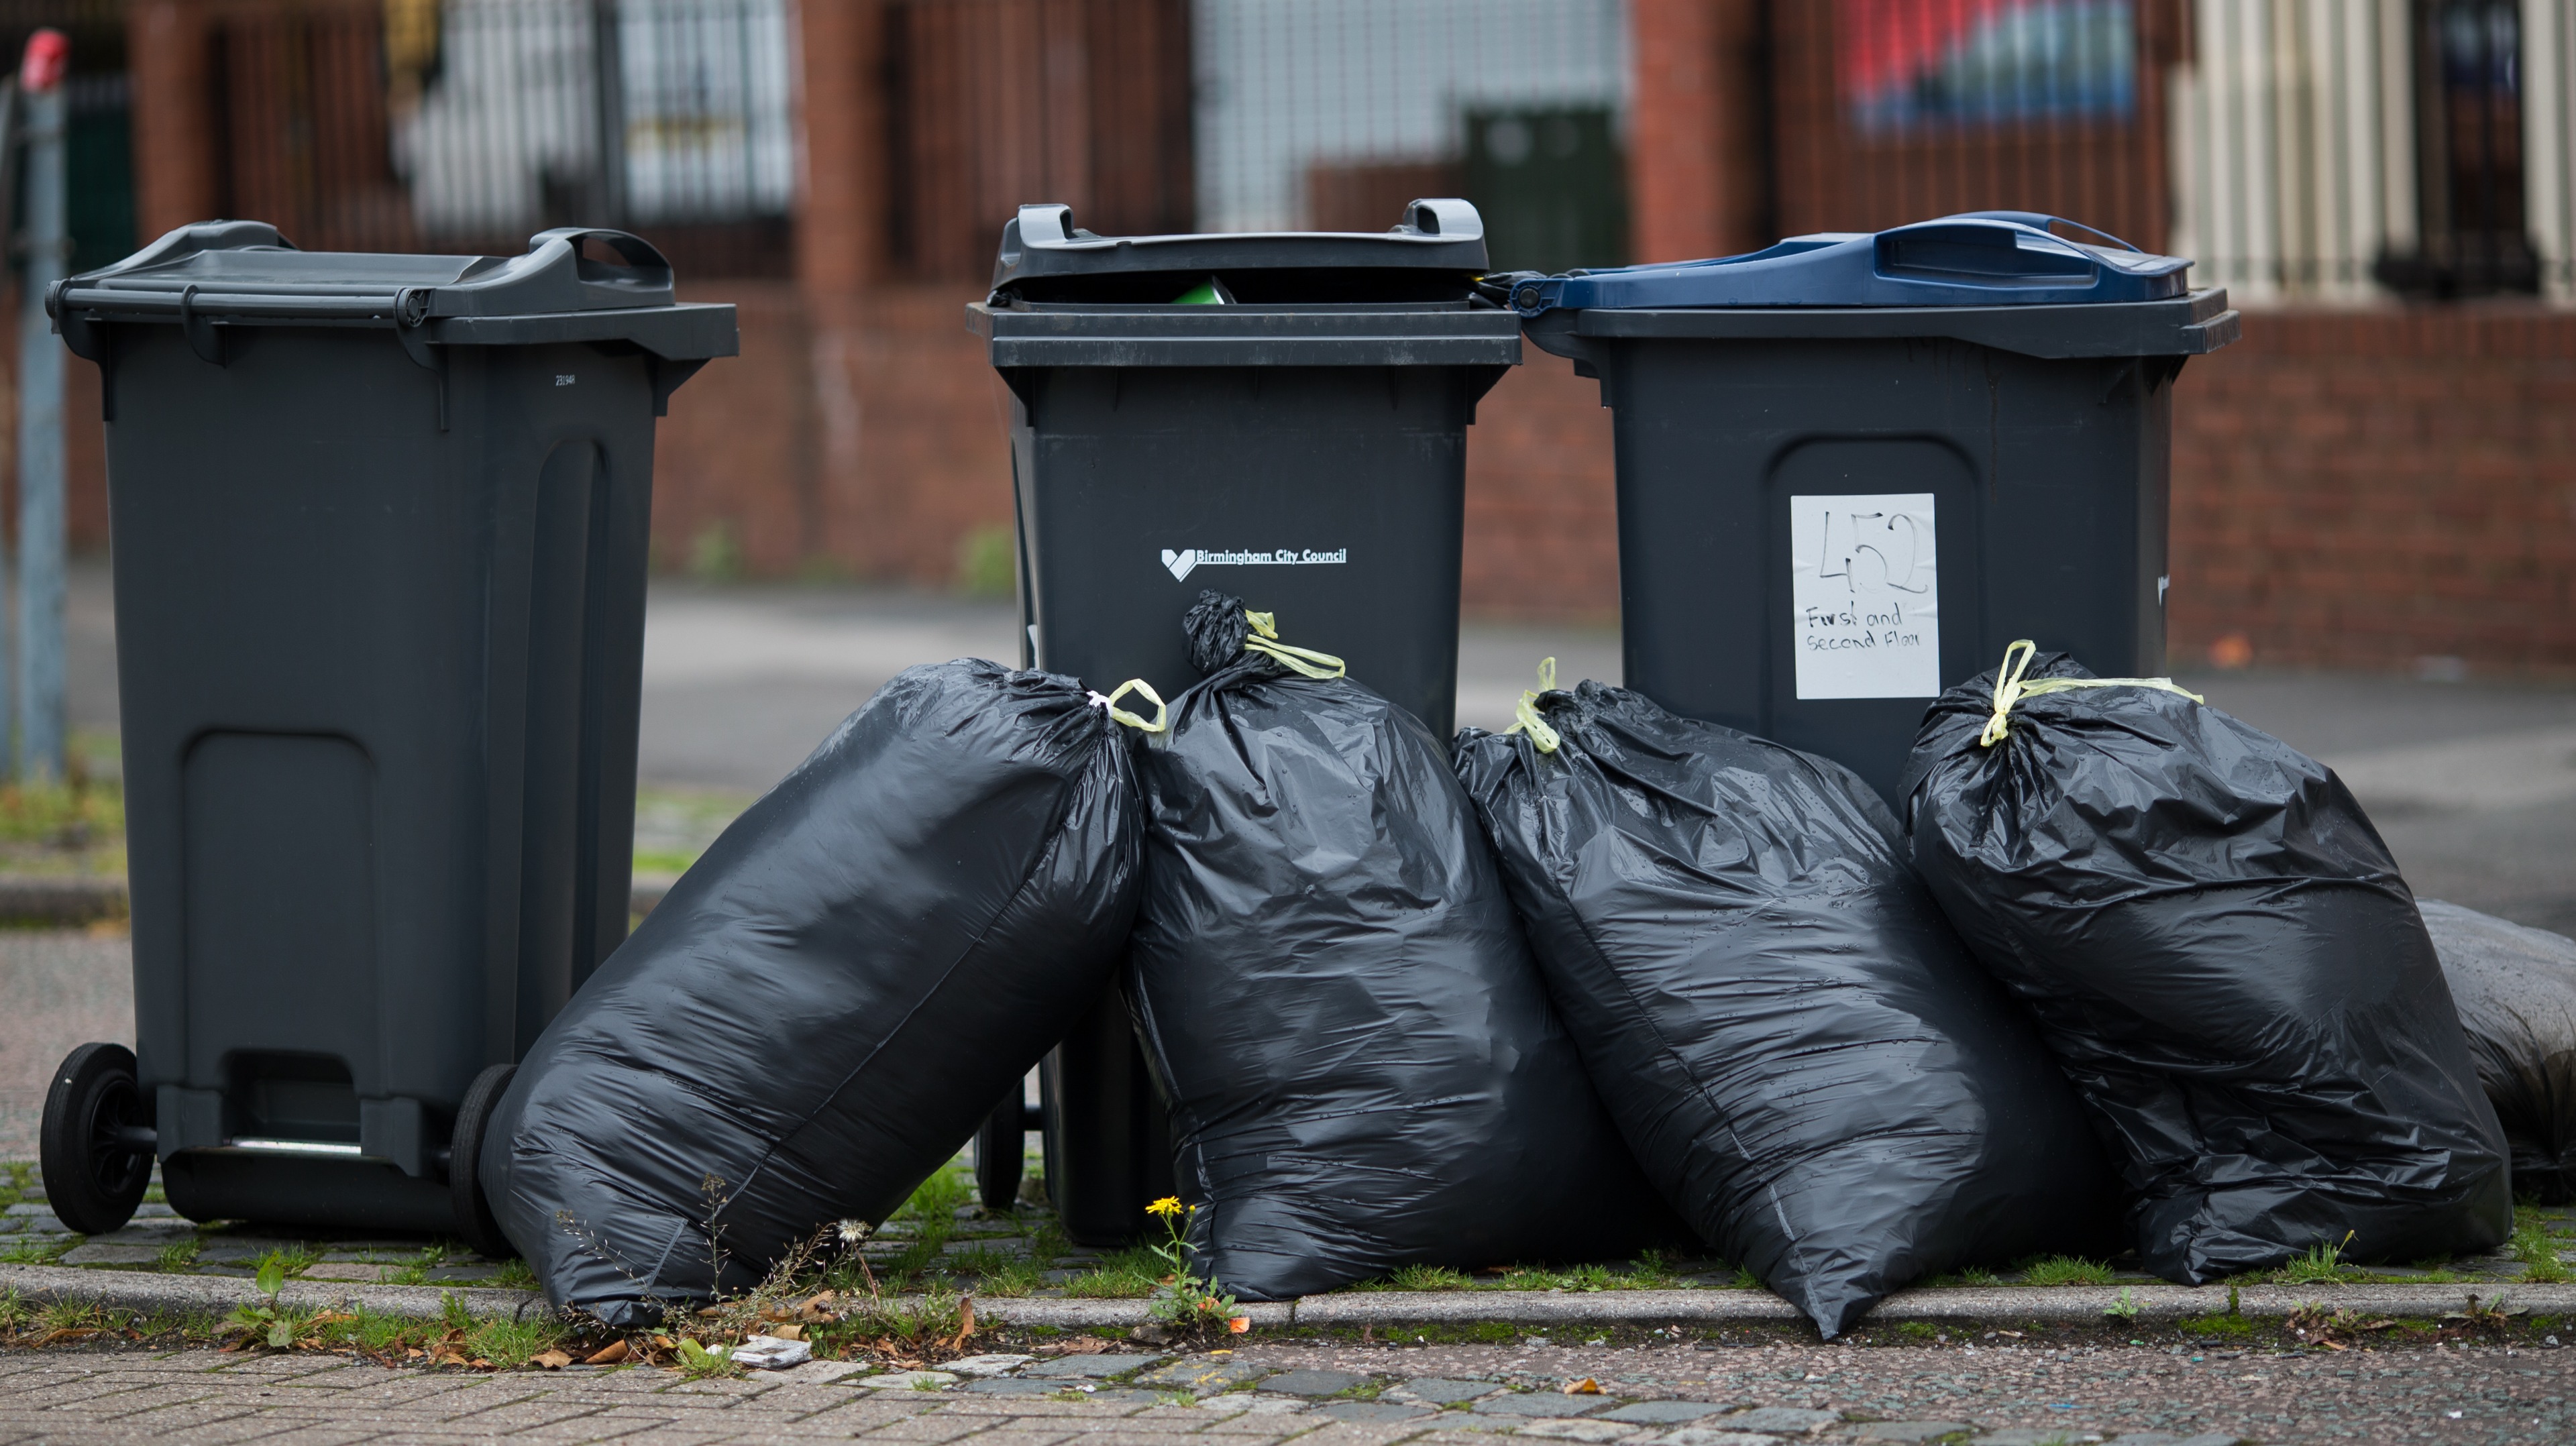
1853	467
1282	416
379	527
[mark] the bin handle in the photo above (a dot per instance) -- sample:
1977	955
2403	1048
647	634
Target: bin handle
637	251
2041	221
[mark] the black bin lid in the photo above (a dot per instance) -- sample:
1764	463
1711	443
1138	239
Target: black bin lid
1434	253
243	273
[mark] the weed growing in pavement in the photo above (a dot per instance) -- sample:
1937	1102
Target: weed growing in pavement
1012	1279
1653	1270
1973	1275
1917	1330
1125	1275
1048	1243
178	1254
1421	1277
2322	1265
1183	1299
712	1200
517	1274
416	1272
38	1252
700	1363
270	1323
1745	1279
2065	1270
2537	1248
17	1178
2124	1307
905	1333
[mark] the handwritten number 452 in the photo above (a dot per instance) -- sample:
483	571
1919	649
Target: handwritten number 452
1892	538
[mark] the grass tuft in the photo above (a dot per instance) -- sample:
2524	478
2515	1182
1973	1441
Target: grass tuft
2323	1264
2066	1270
2537	1248
1127	1275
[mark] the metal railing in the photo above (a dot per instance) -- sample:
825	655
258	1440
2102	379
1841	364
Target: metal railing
2348	150
467	125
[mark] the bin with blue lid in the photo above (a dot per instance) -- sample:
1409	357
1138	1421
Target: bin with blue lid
1852	467
1278	415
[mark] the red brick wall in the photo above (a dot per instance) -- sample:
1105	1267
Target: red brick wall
2371	488
1542	513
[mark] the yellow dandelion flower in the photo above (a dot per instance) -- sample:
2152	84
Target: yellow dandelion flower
1167	1207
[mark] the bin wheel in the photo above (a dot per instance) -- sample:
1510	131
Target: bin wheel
92	1181
476	1225
1000	1147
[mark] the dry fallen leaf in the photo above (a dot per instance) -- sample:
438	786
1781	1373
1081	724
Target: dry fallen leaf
551	1360
708	1310
1585	1387
786	1332
609	1354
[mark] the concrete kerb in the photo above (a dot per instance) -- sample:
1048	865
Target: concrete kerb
152	1294
71	900
2053	1305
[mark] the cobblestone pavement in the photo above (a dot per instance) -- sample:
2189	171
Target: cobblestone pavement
1994	1393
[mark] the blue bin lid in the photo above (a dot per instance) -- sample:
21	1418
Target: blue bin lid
1976	258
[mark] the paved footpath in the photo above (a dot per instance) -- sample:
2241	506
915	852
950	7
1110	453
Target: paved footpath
1994	1393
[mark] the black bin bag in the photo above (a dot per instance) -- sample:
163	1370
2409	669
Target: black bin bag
1797	1047
2224	959
1337	1001
828	1003
2516	991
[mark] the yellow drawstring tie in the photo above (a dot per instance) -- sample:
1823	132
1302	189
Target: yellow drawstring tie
1265	641
1134	720
1530	722
2010	689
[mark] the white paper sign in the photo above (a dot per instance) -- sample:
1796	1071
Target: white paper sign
1864	596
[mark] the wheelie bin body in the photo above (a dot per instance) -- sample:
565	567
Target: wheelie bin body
1282	416
1853	467
380	543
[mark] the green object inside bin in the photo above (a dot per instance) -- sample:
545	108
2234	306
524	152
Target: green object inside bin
1203	294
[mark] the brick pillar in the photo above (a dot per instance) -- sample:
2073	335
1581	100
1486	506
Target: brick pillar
841	257
167	60
1699	180
840	225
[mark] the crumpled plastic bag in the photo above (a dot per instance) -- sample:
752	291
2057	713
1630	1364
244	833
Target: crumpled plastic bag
2516	991
2221	954
828	1003
1794	1042
1336	999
